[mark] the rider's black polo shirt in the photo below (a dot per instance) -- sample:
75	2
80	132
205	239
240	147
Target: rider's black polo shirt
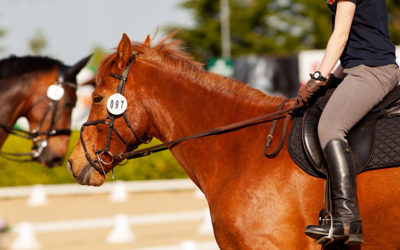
368	42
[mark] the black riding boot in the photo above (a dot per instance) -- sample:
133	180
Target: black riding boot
346	217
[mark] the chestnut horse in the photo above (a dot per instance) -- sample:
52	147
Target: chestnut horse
24	85
255	202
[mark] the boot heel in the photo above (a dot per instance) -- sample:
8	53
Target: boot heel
354	239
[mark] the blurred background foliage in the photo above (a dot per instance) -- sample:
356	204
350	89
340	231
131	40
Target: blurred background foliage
158	166
2	34
256	27
394	20
265	26
38	42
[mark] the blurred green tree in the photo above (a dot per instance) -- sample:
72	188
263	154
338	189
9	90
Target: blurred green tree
394	20
256	26
264	26
98	54
321	21
2	34
38	42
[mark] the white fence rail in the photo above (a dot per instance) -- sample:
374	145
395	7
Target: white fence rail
107	222
186	245
121	227
76	189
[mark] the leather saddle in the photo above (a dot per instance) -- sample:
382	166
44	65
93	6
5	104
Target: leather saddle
374	141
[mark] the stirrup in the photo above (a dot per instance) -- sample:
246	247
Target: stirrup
325	240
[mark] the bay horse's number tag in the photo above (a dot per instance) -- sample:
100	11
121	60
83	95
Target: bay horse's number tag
117	104
55	92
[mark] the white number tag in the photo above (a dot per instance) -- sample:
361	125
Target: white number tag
55	92
117	104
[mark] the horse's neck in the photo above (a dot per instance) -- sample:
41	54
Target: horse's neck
13	95
185	107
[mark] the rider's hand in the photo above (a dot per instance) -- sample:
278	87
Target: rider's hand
306	92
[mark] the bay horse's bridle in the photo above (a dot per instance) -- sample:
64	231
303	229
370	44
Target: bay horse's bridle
131	149
35	135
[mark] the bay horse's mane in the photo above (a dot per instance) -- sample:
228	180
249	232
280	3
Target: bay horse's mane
15	66
170	55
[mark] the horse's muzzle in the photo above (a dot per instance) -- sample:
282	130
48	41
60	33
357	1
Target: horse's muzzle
87	175
70	168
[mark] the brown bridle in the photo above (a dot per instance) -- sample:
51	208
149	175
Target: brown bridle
133	153
109	120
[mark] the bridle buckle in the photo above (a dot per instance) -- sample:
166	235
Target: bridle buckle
100	153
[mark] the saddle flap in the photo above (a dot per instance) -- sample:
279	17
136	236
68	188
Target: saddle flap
310	139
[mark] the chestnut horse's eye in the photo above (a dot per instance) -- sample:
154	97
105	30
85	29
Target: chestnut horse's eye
97	99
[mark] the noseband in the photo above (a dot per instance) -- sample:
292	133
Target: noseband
99	163
35	135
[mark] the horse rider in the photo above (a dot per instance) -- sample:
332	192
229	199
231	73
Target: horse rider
360	39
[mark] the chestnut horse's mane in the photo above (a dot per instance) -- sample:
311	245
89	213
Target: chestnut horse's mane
169	54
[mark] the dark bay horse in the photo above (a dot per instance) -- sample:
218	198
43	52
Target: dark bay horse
255	202
24	91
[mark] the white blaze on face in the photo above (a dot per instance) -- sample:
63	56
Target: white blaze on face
117	104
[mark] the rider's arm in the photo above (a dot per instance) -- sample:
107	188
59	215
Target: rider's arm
343	19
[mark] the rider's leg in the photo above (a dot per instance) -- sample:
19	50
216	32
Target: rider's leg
362	88
346	216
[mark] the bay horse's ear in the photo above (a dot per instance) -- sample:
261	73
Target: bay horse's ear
71	72
124	52
90	82
147	41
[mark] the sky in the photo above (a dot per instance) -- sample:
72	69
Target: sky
72	28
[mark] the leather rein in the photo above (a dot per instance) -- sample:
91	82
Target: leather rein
35	134
132	153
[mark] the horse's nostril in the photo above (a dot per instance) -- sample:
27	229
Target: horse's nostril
57	161
70	168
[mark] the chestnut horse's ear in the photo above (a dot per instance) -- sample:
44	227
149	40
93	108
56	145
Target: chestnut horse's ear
124	52
147	41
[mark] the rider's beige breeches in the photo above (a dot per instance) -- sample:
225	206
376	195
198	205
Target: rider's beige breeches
362	88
